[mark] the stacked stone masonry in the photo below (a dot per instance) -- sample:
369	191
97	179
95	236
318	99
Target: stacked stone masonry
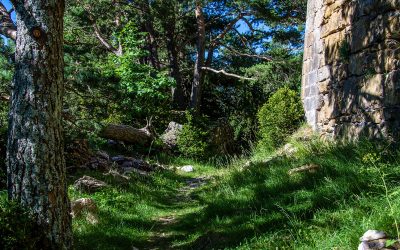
351	69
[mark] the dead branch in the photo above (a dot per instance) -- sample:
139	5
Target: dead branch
223	72
99	35
265	58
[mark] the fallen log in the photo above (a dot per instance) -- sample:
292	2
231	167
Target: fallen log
128	134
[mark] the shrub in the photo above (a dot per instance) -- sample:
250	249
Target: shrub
193	141
280	117
17	228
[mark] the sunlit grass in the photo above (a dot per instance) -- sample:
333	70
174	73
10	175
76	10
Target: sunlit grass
259	206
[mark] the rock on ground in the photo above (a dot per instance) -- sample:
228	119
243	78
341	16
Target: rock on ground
88	184
187	168
170	135
117	176
310	168
85	206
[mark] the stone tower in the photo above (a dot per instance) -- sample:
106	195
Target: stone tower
351	69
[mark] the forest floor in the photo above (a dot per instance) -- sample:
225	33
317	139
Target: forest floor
261	205
318	196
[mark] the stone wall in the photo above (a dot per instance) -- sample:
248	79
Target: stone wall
351	70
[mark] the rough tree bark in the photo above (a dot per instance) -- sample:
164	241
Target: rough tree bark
195	96
35	161
178	97
151	34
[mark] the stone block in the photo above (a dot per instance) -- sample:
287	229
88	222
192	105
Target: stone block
324	73
372	87
392	89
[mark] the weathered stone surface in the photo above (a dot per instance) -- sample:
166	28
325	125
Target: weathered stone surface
89	184
311	168
85	206
117	175
170	136
187	168
351	79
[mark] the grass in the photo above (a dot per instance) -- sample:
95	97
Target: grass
256	207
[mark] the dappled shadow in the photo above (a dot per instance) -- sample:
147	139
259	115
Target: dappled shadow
123	208
254	201
351	74
266	200
363	96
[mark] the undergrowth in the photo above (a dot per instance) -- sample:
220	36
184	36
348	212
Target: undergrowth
252	206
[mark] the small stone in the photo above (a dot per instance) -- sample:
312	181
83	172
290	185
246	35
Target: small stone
135	170
103	155
373	235
187	168
118	159
117	176
373	239
87	206
311	168
88	184
127	164
142	165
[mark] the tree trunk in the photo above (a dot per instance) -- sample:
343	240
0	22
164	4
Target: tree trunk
151	35
128	134
195	97
35	160
178	97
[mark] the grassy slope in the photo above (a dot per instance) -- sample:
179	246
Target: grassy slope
256	207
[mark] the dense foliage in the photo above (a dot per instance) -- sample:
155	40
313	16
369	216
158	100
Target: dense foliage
280	117
130	62
17	228
194	139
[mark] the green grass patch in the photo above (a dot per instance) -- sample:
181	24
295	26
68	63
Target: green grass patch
251	207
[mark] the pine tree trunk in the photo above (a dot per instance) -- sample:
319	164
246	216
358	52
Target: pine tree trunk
178	96
35	161
151	35
195	96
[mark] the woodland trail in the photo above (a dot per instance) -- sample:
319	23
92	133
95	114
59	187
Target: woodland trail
166	227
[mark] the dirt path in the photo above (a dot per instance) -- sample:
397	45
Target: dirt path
164	226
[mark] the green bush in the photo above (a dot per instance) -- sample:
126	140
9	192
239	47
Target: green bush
280	117
194	141
17	228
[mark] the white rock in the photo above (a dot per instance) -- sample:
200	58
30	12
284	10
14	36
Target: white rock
187	168
373	235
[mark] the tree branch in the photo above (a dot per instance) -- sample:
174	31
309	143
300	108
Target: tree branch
214	42
99	35
223	72
265	58
7	26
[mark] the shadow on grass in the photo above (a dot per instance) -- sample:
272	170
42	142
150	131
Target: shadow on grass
248	203
266	200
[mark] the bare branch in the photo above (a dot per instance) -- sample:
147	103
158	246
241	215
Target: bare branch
223	72
99	35
242	39
249	24
7	26
265	58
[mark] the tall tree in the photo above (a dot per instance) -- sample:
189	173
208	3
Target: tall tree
36	166
195	96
